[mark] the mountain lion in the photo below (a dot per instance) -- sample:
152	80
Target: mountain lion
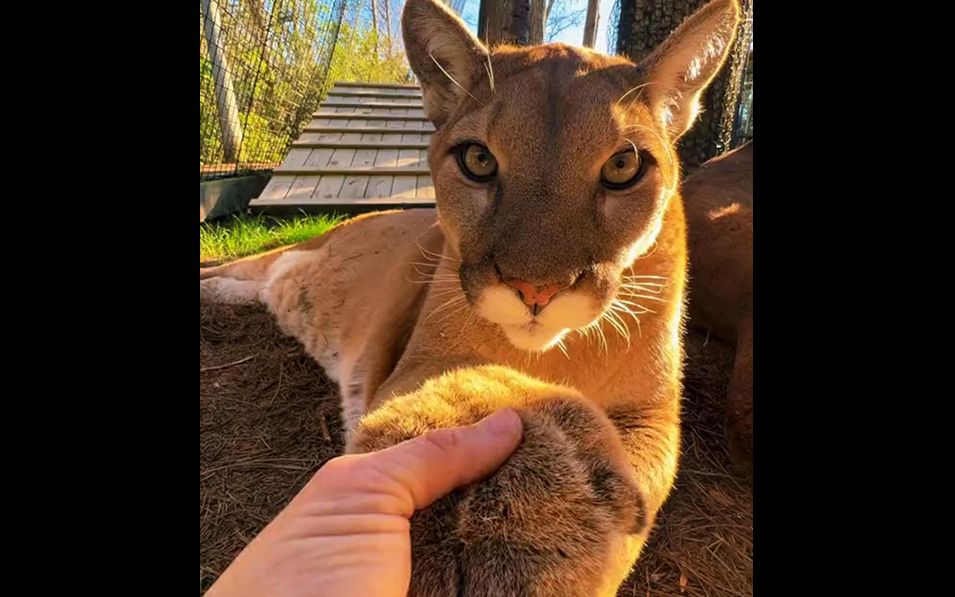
550	279
719	215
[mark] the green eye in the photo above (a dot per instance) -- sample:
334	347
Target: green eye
477	162
622	170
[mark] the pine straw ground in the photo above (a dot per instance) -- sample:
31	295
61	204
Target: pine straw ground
268	418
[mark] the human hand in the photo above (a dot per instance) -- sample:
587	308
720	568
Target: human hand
347	531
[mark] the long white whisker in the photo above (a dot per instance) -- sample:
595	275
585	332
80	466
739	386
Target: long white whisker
637	88
563	349
617	306
646	276
455	309
490	71
614	320
662	141
634	307
453	81
643	296
448	303
436	256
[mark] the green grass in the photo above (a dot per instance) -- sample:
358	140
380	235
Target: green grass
242	235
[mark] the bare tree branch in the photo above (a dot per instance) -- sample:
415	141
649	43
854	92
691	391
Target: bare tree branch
561	16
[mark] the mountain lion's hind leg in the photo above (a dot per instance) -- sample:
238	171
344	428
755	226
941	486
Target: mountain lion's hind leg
230	291
244	282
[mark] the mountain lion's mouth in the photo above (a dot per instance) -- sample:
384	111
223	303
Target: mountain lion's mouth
533	336
568	311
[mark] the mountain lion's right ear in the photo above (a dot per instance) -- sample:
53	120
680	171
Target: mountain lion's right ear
446	57
679	70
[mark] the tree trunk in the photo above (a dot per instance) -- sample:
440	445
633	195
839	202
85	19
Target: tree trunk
538	20
374	23
228	108
592	22
518	22
644	24
520	30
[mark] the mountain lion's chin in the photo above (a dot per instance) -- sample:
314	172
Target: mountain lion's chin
533	337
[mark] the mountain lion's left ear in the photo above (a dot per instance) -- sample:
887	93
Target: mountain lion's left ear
446	57
680	69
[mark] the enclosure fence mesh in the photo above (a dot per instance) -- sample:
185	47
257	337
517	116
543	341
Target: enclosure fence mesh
263	69
265	65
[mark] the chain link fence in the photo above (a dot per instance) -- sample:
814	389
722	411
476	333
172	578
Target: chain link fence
265	65
263	68
744	120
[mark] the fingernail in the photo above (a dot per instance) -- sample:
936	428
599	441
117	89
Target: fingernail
504	422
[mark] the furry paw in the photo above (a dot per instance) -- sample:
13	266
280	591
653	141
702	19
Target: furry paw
556	519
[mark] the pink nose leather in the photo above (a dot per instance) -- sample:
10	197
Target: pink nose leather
532	294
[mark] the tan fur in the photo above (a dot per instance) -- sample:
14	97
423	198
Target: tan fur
719	209
409	311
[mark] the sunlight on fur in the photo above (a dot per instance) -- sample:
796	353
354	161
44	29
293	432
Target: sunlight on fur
722	212
550	279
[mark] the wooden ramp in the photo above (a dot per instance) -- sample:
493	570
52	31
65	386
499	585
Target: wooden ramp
366	148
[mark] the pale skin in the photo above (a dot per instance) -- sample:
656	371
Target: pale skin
347	532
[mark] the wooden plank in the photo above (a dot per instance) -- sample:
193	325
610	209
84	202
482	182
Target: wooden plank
387	158
374	94
302	188
379	184
331	202
277	188
404	187
420	125
319	158
398	124
365	158
281	208
308	140
369	105
296	157
425	188
381	85
351	137
378	90
329	136
354	187
411	158
344	171
341	158
427	128
329	186
407	141
370	115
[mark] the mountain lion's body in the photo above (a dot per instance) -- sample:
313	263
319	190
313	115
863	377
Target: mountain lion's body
550	279
719	207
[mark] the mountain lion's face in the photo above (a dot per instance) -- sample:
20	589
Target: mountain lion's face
553	165
550	191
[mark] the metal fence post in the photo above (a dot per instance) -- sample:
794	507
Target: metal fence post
225	94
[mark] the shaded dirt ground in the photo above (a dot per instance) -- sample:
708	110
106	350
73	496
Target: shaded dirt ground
268	418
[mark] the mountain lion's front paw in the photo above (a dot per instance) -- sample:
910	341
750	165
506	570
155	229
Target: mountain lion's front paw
553	520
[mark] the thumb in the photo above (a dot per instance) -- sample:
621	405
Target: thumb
431	466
